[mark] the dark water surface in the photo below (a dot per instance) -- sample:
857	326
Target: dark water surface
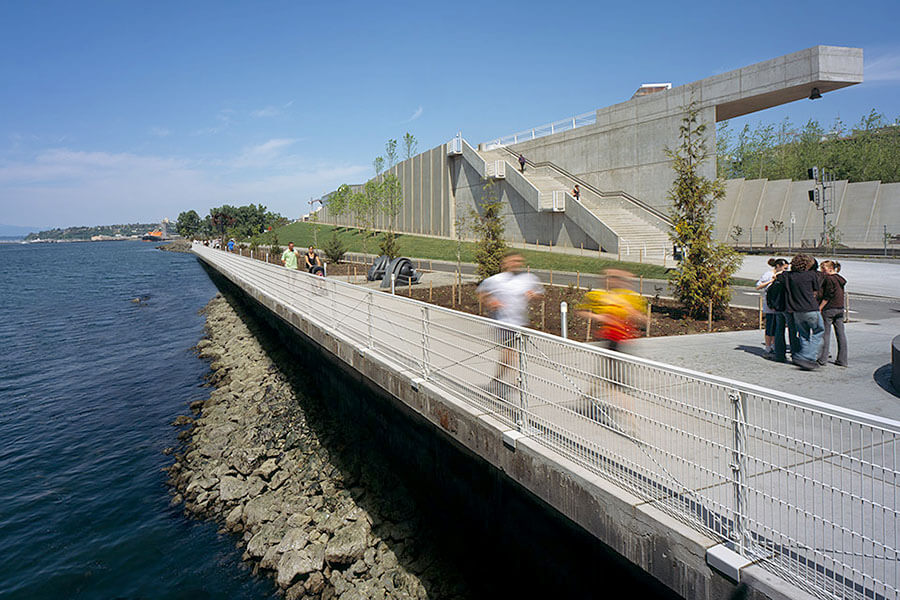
89	382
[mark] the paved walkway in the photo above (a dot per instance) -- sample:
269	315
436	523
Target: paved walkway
863	386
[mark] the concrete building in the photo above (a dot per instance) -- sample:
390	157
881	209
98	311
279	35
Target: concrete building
616	155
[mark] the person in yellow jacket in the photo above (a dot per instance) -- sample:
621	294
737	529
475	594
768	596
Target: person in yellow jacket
616	315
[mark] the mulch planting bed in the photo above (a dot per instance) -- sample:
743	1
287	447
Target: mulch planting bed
667	316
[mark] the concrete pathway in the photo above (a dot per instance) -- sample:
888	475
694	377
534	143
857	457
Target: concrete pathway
863	386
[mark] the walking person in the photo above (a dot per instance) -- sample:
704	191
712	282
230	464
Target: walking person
778	265
521	162
576	192
802	285
506	296
289	257
832	307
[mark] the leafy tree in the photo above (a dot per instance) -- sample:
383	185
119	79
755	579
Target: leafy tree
706	266
410	145
488	225
833	237
188	224
221	219
736	232
378	163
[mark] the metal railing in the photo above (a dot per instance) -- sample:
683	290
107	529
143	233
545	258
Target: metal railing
588	118
807	489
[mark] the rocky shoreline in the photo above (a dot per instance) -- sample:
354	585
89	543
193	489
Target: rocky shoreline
259	463
176	246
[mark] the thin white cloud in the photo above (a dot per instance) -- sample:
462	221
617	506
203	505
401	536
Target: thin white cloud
160	132
885	67
225	117
418	113
271	110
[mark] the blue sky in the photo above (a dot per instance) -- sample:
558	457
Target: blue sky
134	111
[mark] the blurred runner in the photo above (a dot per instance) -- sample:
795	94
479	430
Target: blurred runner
616	315
506	296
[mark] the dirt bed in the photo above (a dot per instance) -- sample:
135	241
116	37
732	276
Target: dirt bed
667	316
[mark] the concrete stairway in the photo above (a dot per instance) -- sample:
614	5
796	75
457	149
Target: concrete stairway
635	236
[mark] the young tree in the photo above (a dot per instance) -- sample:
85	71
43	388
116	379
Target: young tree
390	153
410	145
707	266
390	202
777	227
378	163
488	225
736	232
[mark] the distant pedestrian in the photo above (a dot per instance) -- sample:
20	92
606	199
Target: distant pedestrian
231	245
802	286
832	307
778	265
311	260
289	257
576	192
522	162
506	296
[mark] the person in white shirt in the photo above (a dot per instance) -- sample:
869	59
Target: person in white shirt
506	296
778	265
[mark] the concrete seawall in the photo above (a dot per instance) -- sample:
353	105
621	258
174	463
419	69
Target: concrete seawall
672	553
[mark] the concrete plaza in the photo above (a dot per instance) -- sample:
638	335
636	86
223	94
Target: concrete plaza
863	386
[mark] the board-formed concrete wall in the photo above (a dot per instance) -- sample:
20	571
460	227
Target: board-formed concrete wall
860	212
427	207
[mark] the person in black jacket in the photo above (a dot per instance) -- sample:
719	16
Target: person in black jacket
832	307
802	285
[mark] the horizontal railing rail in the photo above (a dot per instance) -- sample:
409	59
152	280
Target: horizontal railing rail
806	489
588	118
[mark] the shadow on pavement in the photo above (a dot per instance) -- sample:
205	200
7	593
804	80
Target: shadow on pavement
882	377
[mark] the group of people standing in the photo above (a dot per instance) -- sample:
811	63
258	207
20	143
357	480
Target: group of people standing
290	258
807	300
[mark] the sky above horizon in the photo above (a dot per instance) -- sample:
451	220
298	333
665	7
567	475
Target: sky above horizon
115	112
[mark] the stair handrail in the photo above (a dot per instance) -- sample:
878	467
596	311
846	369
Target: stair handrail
584	184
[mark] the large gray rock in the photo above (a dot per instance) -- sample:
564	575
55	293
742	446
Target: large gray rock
300	562
294	539
232	488
348	544
259	510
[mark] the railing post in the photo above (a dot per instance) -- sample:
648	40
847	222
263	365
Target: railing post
521	347
369	311
738	470
425	336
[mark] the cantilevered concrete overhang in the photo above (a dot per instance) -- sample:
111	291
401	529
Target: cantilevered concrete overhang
782	80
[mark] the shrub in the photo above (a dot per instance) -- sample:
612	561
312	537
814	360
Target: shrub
388	246
334	248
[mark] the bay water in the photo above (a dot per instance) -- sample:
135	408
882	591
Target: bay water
90	381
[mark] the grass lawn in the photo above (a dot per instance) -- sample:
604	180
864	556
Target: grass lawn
414	246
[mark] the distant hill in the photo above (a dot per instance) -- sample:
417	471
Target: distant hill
86	232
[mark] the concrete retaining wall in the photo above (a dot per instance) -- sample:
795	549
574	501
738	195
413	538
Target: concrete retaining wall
860	212
671	552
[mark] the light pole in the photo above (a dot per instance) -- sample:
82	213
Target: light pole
823	183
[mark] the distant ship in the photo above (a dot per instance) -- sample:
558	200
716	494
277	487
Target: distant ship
153	236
